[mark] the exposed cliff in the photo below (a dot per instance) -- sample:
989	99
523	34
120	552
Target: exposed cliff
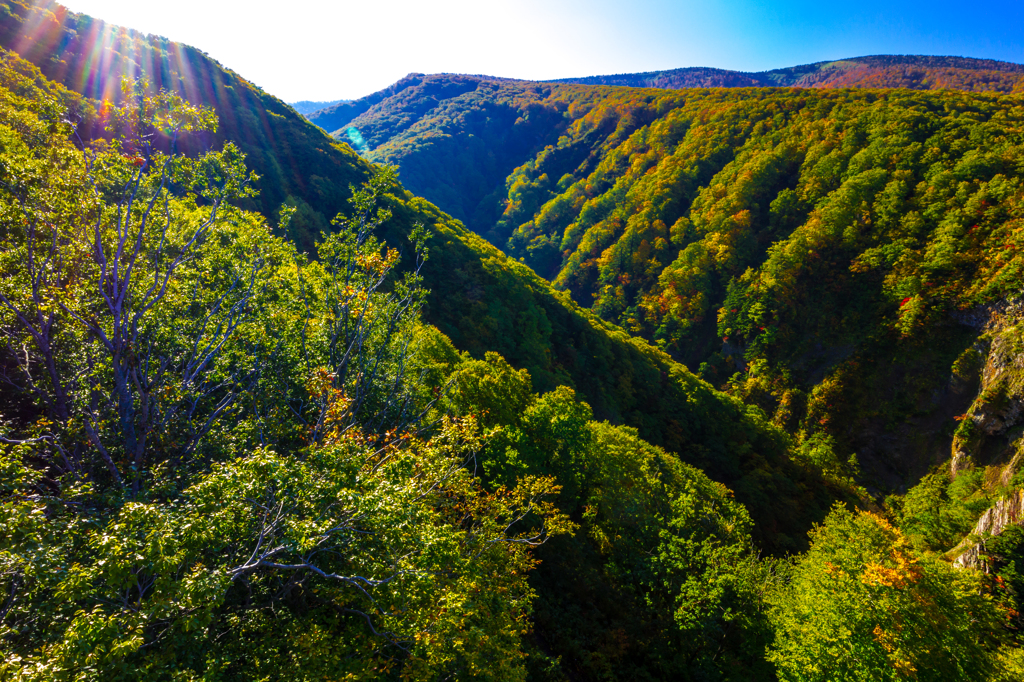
991	432
987	434
1003	513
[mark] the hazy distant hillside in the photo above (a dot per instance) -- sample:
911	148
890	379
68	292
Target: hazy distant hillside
424	89
916	72
308	107
455	138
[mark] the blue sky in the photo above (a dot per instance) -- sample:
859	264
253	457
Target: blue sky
315	49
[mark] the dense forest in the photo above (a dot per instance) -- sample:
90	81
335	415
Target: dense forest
718	384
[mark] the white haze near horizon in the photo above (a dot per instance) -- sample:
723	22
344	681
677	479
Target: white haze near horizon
316	50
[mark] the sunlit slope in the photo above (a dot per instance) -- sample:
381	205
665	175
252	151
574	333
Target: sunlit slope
819	252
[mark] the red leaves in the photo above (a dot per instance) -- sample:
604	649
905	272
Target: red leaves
904	301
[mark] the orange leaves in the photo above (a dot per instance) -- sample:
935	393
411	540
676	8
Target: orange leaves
320	382
899	570
378	263
335	402
876	575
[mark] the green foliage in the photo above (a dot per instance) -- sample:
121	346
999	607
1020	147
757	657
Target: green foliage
661	581
549	437
797	231
484	301
492	386
939	511
478	298
222	460
819	449
216	464
1004	554
863	605
608	604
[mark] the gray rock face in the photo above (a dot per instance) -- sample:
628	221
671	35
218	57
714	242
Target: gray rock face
1004	374
989	433
1003	513
1000	402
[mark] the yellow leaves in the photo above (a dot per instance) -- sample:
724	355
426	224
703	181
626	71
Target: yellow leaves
901	570
879	575
335	407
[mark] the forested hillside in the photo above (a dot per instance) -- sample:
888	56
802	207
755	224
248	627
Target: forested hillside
296	164
302	426
819	244
834	258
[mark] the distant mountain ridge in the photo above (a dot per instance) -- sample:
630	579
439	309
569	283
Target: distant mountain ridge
916	72
306	106
333	118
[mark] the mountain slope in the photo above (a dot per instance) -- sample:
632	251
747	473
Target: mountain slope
296	163
798	239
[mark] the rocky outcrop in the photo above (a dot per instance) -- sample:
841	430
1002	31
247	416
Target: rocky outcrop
1000	403
991	433
1005	512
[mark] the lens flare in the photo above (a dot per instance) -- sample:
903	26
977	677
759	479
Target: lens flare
356	141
